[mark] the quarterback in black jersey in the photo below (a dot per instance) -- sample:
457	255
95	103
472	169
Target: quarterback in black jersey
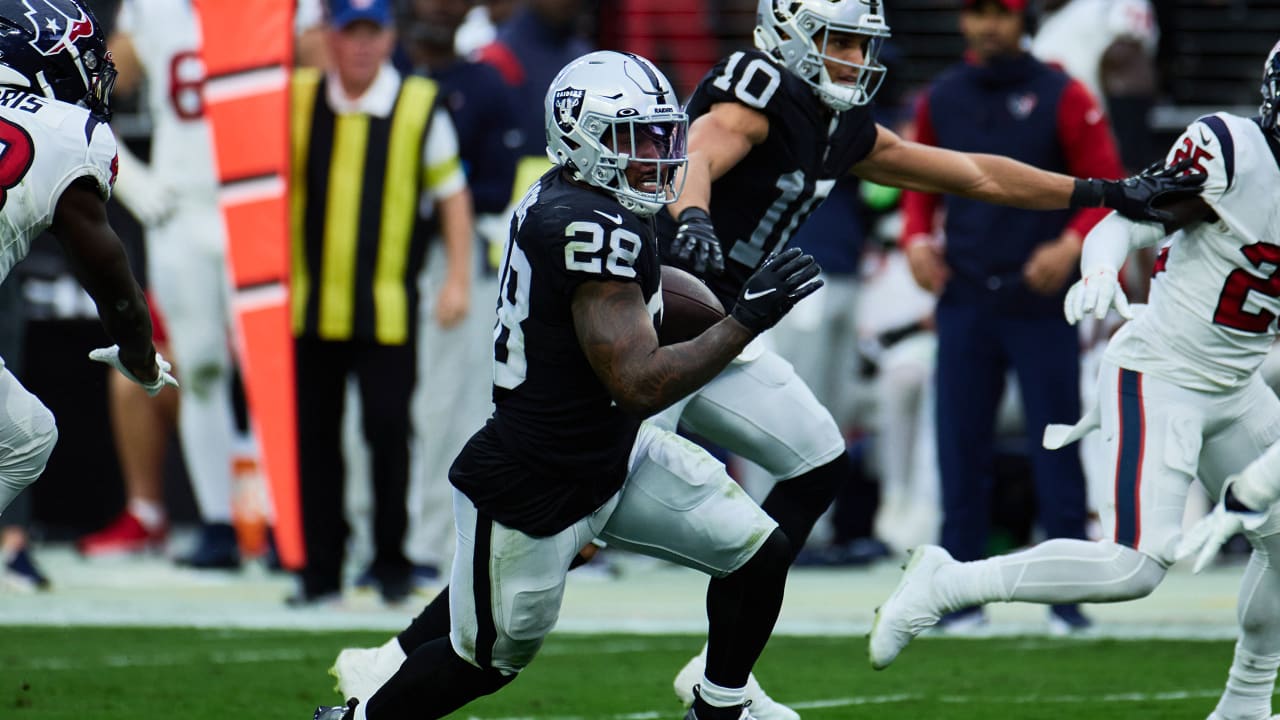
771	130
566	457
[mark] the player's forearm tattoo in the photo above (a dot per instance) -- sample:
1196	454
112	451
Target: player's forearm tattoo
642	377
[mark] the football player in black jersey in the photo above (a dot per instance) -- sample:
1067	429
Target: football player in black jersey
577	367
771	130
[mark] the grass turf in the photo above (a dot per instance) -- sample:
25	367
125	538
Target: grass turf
167	673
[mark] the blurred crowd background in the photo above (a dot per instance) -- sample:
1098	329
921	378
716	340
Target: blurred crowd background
866	346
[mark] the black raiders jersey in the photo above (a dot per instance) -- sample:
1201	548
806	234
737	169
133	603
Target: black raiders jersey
557	446
760	202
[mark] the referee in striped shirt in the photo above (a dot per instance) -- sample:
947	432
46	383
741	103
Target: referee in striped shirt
375	175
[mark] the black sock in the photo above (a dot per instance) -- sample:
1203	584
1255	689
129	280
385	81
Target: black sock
798	503
432	683
431	623
742	608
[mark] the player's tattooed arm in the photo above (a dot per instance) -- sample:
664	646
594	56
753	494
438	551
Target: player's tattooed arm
616	333
98	260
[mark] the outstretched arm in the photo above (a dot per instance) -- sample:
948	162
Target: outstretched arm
98	260
990	178
1004	181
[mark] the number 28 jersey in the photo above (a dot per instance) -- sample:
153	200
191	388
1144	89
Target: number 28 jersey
557	446
45	145
1215	293
759	203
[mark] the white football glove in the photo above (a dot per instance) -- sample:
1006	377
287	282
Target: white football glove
111	356
1097	292
1207	536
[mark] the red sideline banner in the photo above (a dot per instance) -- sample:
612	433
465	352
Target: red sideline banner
248	50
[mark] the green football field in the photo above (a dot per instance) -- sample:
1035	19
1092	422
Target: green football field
164	674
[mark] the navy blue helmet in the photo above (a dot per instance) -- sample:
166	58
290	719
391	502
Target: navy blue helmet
56	49
1271	91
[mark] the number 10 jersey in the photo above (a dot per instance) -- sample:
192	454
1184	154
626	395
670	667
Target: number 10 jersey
1215	292
760	202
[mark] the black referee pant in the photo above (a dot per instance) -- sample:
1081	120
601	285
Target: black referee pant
385	375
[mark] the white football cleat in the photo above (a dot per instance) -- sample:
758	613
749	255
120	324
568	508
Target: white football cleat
762	706
361	671
1215	716
910	609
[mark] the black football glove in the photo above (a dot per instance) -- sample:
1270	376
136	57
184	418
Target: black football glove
696	242
783	280
1136	197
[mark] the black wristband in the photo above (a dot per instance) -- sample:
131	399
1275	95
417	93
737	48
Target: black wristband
1232	503
1087	194
693	211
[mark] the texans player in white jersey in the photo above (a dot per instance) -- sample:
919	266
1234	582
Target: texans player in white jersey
771	130
57	165
175	198
577	367
1180	398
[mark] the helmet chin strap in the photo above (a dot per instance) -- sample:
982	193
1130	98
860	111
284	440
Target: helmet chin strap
45	88
639	207
836	96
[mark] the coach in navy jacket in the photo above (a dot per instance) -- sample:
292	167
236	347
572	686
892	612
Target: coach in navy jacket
1001	273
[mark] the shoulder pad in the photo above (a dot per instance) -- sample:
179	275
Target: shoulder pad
1210	146
752	78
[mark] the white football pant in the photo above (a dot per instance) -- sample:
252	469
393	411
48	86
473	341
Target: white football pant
27	436
187	272
678	504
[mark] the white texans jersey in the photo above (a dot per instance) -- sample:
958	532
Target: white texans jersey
1076	35
1215	292
45	145
166	38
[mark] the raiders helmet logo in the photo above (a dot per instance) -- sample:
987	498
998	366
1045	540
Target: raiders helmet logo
55	29
568	102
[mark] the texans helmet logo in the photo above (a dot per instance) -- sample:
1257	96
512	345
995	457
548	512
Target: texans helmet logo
56	28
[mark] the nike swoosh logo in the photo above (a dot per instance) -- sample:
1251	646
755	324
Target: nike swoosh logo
1204	139
617	219
748	295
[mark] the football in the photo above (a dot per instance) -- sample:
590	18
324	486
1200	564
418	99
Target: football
688	306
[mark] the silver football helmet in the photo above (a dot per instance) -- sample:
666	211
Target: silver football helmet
796	32
1270	109
603	105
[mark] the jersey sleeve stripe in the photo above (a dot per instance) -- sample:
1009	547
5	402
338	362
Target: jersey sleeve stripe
1223	134
1272	142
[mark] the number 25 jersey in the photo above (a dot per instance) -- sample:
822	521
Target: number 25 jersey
45	145
1216	287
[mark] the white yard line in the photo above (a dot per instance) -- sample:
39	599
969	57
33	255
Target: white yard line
989	701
